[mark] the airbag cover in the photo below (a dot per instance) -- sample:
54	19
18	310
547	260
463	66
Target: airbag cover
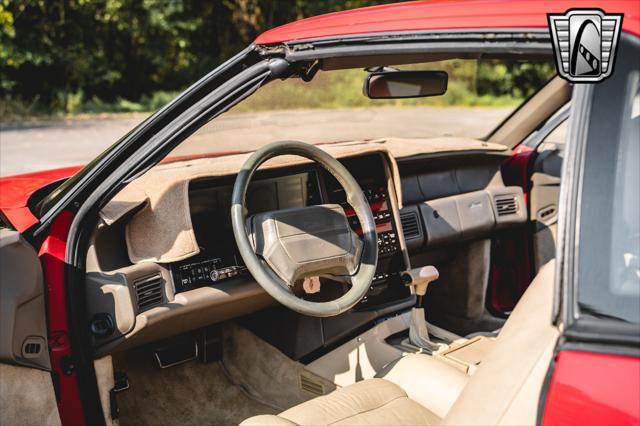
306	241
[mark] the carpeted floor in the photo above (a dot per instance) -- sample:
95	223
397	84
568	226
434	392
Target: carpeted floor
193	393
264	371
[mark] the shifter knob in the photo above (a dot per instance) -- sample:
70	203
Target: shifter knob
419	278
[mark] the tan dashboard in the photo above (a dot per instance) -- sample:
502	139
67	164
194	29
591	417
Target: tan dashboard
147	232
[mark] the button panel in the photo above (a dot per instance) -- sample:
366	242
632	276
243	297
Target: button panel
387	238
386	286
387	243
206	272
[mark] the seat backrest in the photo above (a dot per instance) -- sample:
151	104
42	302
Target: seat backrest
506	387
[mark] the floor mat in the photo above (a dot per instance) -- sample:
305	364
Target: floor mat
193	393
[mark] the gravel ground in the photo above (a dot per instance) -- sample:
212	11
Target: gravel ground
46	145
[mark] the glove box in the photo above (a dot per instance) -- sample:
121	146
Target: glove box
470	215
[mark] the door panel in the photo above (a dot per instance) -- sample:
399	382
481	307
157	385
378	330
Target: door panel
27	394
23	329
545	193
511	270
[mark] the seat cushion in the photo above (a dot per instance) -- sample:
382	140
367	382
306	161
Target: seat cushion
373	401
430	382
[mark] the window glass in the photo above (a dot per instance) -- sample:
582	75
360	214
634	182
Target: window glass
609	245
558	135
624	278
555	139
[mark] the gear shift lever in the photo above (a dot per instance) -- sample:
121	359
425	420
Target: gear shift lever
419	279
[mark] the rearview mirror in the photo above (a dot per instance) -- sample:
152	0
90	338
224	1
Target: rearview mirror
405	84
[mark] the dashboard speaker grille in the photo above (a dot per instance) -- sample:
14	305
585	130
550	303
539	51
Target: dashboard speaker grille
506	205
410	225
149	291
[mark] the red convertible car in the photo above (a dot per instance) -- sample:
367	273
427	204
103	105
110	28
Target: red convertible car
392	273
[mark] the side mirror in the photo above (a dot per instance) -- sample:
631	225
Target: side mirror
405	84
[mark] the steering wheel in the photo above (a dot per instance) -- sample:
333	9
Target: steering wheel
283	246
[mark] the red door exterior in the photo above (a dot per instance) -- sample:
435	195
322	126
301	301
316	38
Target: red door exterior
593	389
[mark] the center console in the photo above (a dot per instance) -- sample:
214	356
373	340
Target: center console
387	286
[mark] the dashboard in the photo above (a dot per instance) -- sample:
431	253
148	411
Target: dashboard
136	295
219	260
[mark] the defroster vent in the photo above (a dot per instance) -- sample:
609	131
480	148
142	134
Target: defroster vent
149	291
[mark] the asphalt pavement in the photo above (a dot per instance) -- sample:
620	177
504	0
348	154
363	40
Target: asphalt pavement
52	144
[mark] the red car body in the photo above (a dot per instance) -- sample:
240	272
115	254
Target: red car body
15	192
442	15
585	387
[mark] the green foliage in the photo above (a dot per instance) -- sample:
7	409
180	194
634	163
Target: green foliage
146	103
61	57
512	78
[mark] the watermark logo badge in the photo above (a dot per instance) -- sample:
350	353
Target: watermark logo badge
584	43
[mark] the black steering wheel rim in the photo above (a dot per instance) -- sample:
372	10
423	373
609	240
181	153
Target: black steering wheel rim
268	279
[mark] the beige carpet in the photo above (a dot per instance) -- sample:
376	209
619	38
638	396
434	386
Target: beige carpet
265	372
189	394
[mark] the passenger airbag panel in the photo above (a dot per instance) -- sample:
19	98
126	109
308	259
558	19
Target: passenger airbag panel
472	214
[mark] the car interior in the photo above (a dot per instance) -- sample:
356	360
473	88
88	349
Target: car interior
401	273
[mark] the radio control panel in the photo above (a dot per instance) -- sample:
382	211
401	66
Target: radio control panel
388	242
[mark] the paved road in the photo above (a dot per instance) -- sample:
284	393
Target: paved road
57	144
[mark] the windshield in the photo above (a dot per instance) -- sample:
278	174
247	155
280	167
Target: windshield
332	107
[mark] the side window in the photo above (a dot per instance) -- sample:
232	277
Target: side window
555	139
609	234
625	218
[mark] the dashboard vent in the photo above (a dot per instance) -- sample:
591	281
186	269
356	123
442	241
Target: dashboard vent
311	384
148	291
410	225
506	205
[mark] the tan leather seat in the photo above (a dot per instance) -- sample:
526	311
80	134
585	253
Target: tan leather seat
421	390
370	402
